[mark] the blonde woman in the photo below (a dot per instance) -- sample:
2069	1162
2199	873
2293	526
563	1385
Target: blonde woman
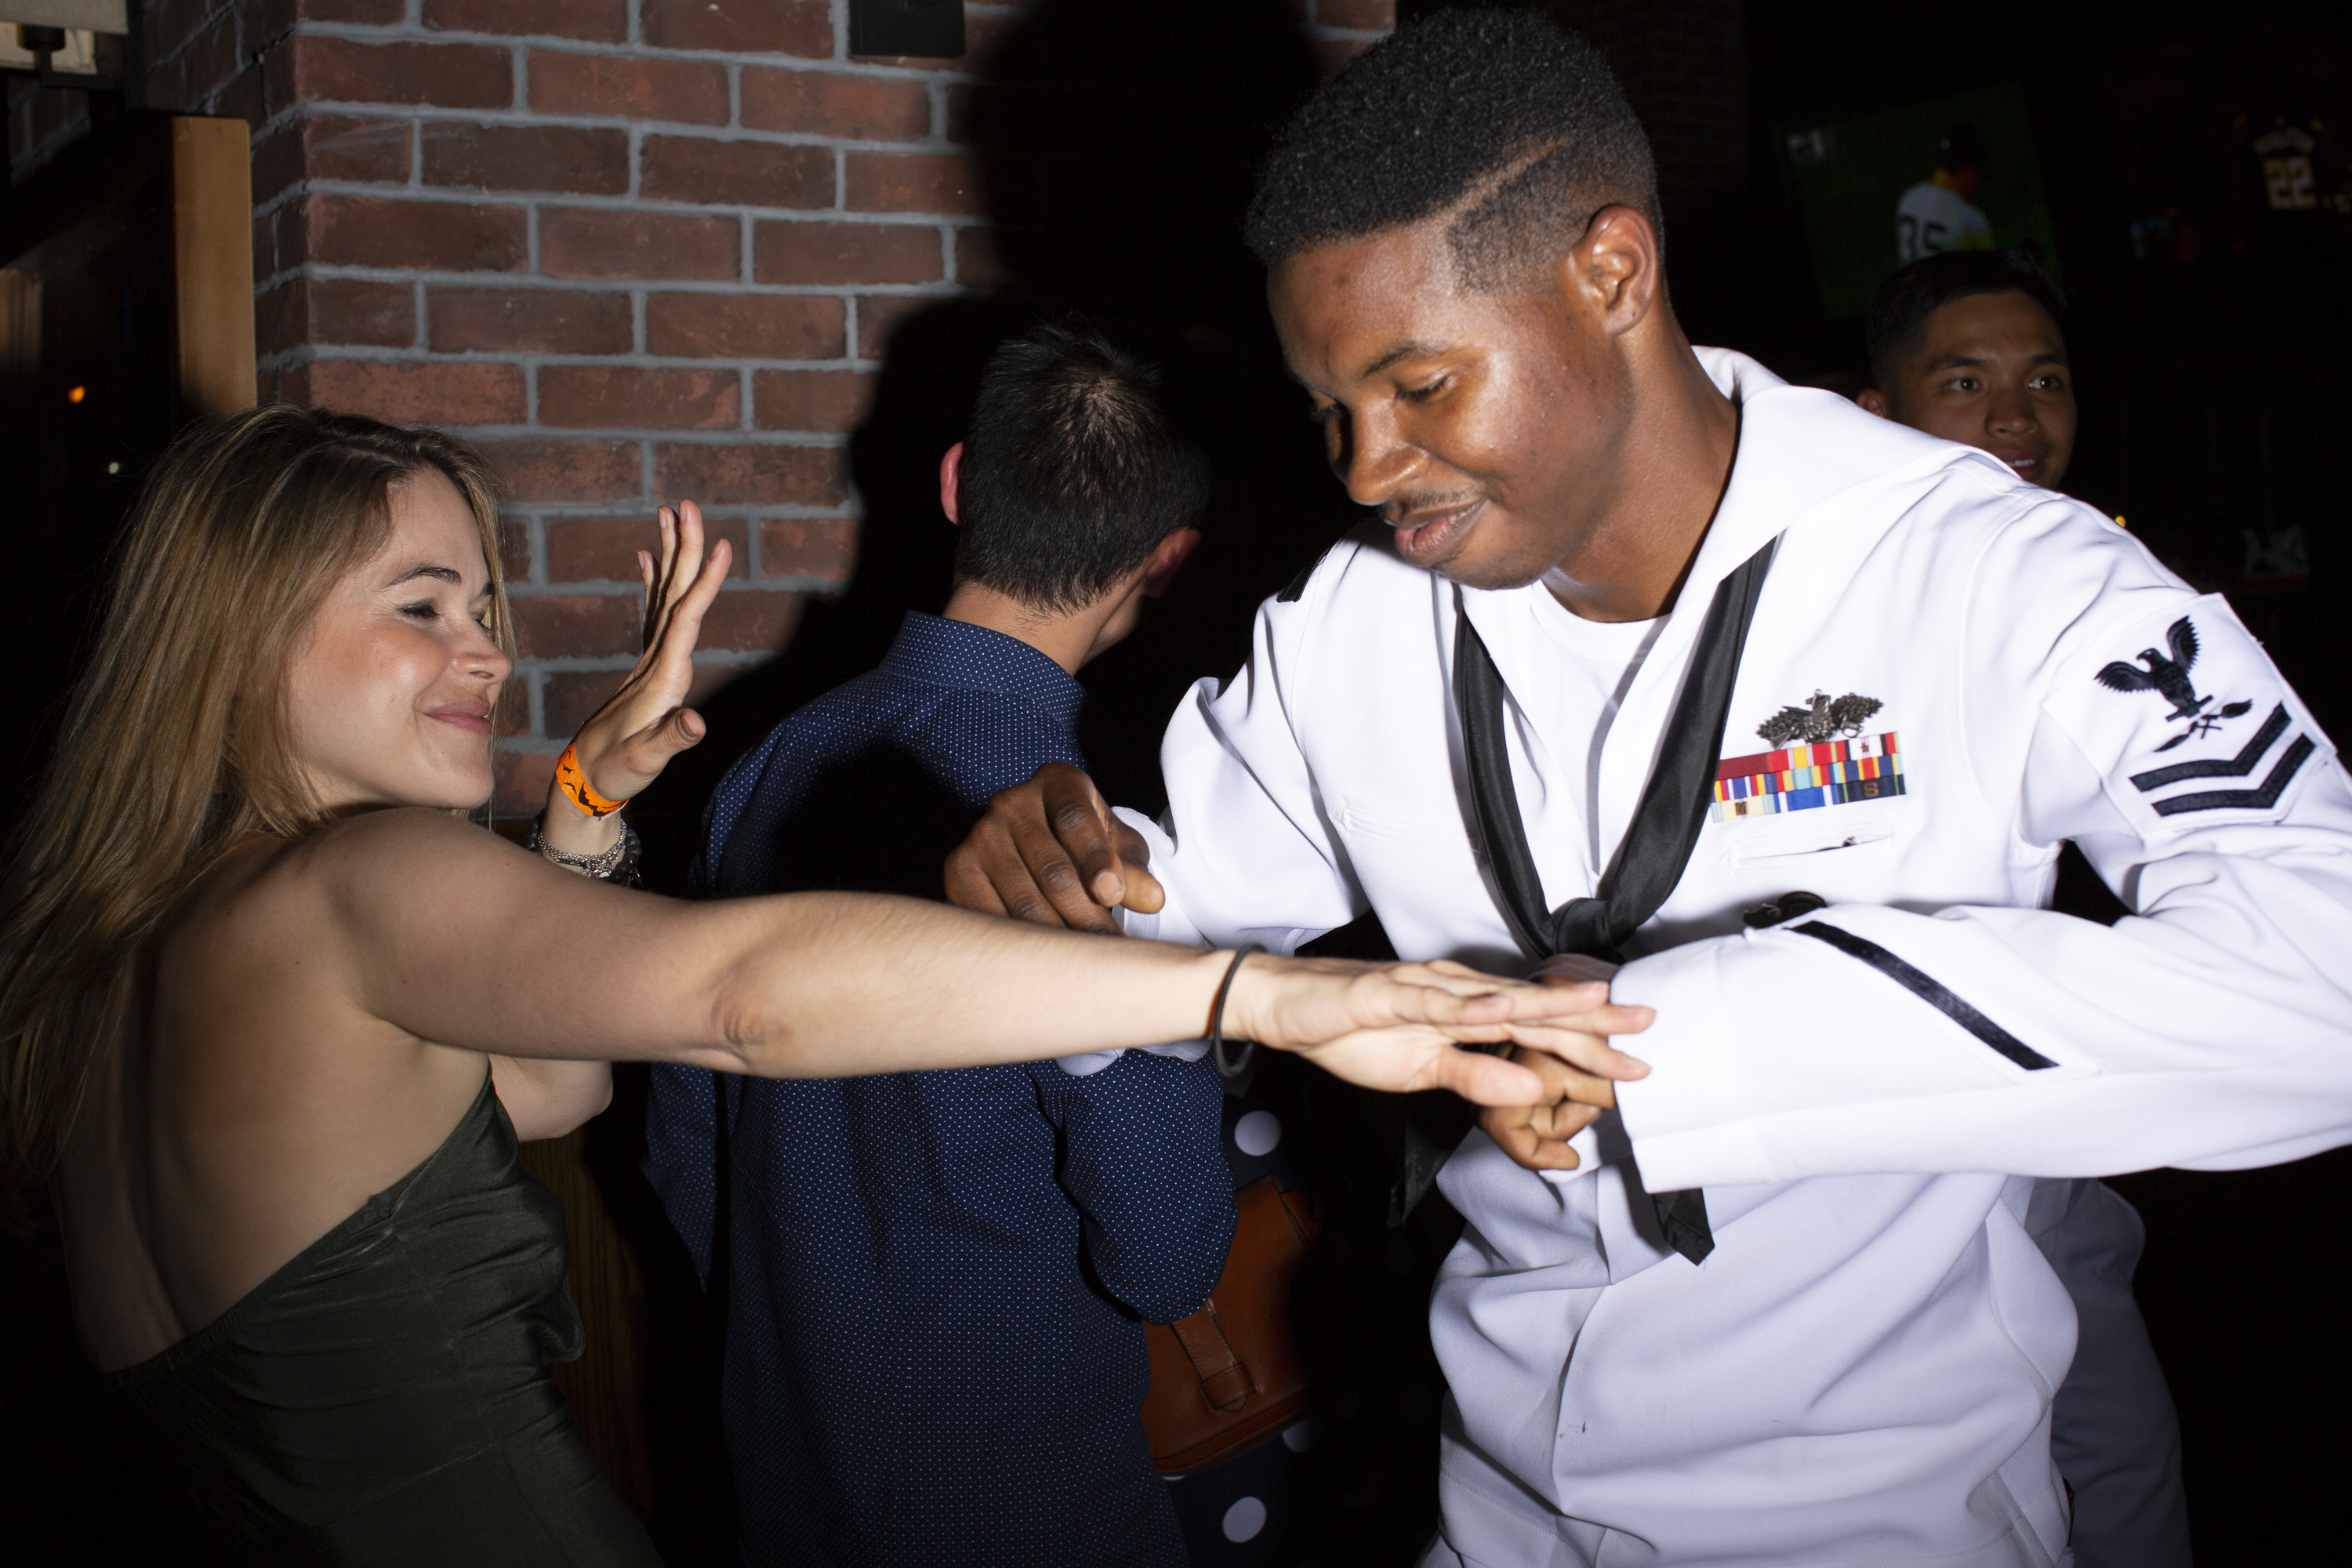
273	1015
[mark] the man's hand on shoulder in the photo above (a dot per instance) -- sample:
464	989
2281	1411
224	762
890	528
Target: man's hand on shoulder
1050	852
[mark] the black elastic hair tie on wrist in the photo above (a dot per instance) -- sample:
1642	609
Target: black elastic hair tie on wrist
1230	1067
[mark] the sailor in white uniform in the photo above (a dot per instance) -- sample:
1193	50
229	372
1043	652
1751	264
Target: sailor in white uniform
1863	1368
1949	672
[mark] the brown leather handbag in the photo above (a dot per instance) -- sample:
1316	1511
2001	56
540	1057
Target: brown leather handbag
1229	1375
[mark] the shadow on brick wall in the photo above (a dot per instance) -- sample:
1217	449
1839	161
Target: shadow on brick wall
1119	146
906	553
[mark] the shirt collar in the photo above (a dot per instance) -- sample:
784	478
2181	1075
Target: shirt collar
940	652
1800	449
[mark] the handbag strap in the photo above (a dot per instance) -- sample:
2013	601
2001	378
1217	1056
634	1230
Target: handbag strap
1657	847
1226	1382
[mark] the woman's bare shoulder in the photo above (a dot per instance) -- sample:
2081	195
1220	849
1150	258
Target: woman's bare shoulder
365	838
372	850
270	891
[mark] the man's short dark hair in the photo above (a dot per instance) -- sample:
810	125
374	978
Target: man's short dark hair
1073	472
1897	317
1504	119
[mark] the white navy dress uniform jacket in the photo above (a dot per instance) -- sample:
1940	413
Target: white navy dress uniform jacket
1862	1371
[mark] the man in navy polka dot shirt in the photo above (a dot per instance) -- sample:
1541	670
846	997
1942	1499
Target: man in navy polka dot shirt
933	1280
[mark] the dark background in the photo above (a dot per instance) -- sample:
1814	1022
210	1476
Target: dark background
1122	138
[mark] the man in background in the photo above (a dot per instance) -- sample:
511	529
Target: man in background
1967	346
1939	213
931	1280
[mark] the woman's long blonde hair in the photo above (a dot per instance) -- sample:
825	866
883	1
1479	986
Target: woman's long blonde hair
176	742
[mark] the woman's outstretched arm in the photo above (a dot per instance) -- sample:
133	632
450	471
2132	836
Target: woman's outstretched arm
457	937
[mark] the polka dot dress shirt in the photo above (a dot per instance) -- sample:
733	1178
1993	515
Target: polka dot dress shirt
932	1280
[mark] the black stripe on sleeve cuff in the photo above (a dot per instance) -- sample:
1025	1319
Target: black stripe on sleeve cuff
1928	990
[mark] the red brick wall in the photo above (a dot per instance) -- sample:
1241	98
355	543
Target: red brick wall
637	250
638	253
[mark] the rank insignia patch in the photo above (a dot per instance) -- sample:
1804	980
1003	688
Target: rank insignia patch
2194	727
1799	778
2250	796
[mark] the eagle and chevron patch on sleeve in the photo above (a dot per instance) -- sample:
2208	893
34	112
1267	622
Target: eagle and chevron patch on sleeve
2244	724
1802	778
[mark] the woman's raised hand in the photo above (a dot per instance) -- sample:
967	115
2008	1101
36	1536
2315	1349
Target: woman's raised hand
628	742
1395	1026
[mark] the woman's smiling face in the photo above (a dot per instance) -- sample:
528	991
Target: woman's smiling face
393	686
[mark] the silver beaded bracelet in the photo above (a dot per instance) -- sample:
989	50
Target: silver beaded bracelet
617	864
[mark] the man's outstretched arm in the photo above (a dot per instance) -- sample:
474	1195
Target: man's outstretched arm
1245	848
1048	852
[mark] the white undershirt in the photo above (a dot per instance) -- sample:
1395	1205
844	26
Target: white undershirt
1599	662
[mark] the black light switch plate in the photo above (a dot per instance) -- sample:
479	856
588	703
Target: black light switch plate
930	28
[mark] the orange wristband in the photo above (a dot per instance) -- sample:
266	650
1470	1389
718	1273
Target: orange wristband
576	788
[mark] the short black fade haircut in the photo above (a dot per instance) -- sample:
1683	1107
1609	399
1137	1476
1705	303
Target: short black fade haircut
1897	315
1073	470
1504	119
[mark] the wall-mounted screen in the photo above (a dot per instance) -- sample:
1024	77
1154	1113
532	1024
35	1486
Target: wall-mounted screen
1879	190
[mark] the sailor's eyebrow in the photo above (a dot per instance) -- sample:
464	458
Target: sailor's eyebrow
1412	349
1954	362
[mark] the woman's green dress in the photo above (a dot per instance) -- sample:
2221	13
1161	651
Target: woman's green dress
384	1397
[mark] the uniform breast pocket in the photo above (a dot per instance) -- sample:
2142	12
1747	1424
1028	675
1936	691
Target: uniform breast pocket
1773	847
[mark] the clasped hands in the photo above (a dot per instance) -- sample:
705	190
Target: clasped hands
1050	852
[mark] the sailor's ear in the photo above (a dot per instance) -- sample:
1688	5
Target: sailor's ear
1873	400
1614	270
952	481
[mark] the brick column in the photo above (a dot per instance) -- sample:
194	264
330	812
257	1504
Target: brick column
636	252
